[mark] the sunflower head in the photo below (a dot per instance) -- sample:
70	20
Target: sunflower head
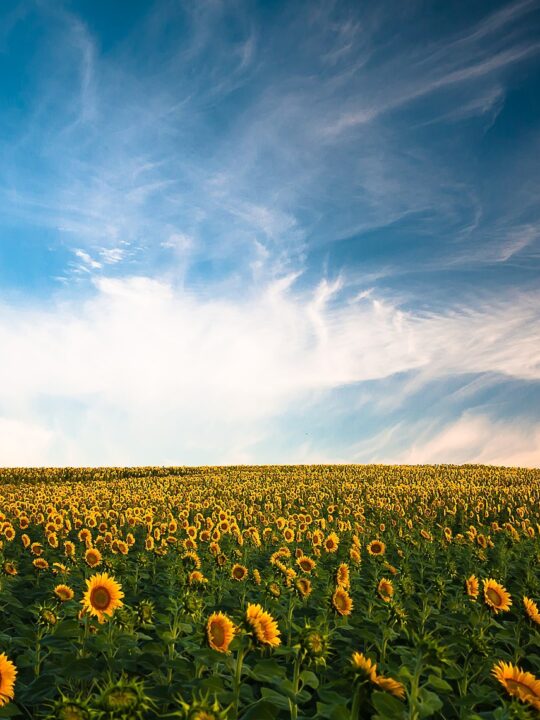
8	673
262	625
316	644
125	699
220	631
202	708
102	597
342	601
391	686
68	709
519	684
496	596
145	613
364	666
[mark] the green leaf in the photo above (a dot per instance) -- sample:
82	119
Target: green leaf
439	684
309	678
387	706
261	710
276	698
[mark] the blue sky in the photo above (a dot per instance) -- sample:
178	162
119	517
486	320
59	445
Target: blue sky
269	232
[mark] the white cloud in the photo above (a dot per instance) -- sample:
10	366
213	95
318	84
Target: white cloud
478	439
142	372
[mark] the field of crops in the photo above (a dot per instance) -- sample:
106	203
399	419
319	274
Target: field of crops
270	592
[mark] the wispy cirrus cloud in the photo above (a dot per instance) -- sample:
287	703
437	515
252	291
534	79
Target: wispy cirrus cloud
251	213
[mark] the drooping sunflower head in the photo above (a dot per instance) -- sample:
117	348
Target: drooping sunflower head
220	631
264	628
303	587
103	595
518	683
9	568
8	673
472	586
343	576
391	686
364	666
385	589
531	608
496	596
342	601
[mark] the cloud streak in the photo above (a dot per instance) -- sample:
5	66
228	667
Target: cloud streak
142	365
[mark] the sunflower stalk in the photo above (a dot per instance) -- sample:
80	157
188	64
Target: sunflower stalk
293	704
238	678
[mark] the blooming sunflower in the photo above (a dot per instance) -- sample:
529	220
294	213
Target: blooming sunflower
306	563
239	572
197	578
472	586
219	632
391	686
385	589
331	543
518	683
64	592
303	585
531	608
363	665
264	627
92	557
103	595
376	547
496	596
343	577
342	601
8	672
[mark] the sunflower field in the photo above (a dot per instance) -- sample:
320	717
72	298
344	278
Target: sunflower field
272	592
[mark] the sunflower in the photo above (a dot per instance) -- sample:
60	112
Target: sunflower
9	568
363	665
531	608
92	557
220	631
239	572
196	578
376	547
264	627
472	586
518	683
343	577
103	595
385	589
64	592
40	563
496	596
391	686
331	543
303	585
306	563
342	601
8	672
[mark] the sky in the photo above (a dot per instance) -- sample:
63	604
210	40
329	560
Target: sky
269	232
